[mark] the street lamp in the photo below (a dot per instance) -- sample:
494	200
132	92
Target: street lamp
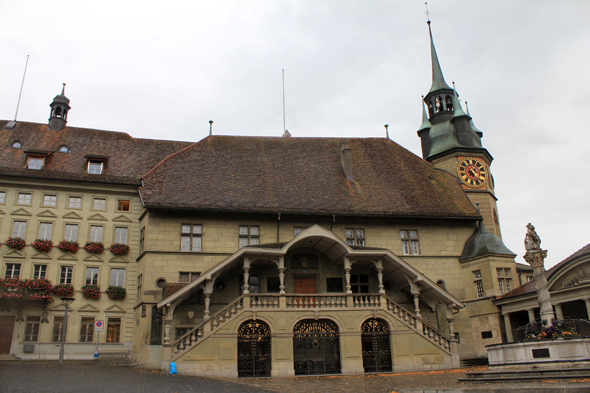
66	301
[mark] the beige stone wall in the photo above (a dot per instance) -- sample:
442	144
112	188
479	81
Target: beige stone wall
36	213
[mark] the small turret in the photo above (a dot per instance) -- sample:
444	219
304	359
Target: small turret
59	111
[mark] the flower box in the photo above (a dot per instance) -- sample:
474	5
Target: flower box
43	245
116	292
68	246
16	243
91	292
119	249
63	290
557	330
94	247
33	289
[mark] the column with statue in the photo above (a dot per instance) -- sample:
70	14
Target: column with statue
535	257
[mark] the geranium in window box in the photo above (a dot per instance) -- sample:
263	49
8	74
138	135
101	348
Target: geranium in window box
16	243
119	249
27	289
63	290
68	246
116	292
43	245
91	292
94	247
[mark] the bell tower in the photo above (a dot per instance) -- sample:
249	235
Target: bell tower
59	111
451	142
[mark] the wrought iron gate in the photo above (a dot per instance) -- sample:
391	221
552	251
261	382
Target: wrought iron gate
316	347
376	345
254	349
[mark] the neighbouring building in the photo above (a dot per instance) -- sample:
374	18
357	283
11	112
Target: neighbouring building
256	255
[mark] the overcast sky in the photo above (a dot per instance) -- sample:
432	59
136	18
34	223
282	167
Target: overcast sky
162	70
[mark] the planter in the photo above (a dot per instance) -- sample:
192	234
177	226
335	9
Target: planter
63	290
33	289
116	293
16	243
94	247
91	292
68	246
119	249
43	245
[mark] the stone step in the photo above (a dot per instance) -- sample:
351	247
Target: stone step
528	375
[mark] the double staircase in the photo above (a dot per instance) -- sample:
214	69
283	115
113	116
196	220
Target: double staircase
291	302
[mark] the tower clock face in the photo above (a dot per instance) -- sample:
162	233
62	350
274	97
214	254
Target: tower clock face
472	172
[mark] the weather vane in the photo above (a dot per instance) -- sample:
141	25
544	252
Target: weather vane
427	12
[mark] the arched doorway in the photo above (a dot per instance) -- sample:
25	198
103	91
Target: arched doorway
316	347
254	349
376	345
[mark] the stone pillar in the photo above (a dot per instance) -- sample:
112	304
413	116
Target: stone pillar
536	259
347	268
282	276
169	315
379	266
246	276
588	307
531	315
207	302
508	326
417	305
558	311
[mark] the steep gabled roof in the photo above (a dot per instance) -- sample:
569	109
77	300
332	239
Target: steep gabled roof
303	175
127	158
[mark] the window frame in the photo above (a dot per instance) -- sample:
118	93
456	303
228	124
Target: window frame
57	328
118	207
22	229
86	329
117	237
39	271
32	328
66	274
408	242
353	238
2	197
504	276
249	237
478	282
93	164
359	284
93	233
94	278
99	199
24	194
115	323
195	239
76	198
192	276
75	239
44	227
35	163
54	200
116	283
15	270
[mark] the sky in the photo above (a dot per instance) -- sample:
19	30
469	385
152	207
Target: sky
162	70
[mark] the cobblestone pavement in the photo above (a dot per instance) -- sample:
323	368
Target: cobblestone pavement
75	377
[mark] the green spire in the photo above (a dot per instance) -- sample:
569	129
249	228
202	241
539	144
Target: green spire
438	80
458	111
473	127
425	122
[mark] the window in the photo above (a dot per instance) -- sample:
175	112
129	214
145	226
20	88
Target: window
253	283
99	204
118	277
87	329
504	279
71	233
91	276
410	244
123	205
249	235
34	163
334	284
121	235
160	283
12	270
2	197
478	283
355	237
19	228
139	285
190	238
75	202
50	200
40	271
529	278
32	328
95	233
58	325
65	276
189	276
94	167
63	149
16	145
359	283
298	230
24	198
141	239
45	229
113	330
487	334
273	285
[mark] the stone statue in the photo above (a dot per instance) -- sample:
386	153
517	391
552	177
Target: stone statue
532	241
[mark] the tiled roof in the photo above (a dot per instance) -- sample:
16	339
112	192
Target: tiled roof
303	175
530	286
128	158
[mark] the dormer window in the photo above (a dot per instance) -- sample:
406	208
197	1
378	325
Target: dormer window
64	149
16	145
95	167
35	163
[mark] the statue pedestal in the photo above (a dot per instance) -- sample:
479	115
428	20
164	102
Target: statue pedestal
536	258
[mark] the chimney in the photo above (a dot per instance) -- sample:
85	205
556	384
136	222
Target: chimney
346	160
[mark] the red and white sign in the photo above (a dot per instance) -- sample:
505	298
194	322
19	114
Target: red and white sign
98	325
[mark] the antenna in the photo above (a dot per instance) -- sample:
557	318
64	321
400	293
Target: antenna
21	88
386	130
427	13
284	127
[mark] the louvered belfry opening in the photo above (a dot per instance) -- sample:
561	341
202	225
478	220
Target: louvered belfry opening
376	345
254	349
316	347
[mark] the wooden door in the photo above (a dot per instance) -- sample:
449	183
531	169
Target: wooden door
6	327
304	285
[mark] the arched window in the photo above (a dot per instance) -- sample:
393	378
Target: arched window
430	108
449	103
438	104
16	145
58	111
63	149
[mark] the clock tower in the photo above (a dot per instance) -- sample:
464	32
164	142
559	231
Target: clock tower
451	142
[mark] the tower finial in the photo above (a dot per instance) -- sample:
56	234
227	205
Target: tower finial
210	127
63	89
438	80
427	13
386	130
